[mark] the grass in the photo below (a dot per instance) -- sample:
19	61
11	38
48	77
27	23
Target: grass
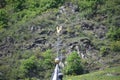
107	74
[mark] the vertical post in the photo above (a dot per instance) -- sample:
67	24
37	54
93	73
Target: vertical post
57	75
59	29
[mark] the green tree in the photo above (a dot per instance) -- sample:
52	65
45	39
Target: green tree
3	18
114	33
74	65
115	46
48	63
28	67
37	66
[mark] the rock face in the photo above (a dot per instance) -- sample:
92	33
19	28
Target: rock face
7	47
40	41
82	46
87	25
68	8
78	35
100	31
2	3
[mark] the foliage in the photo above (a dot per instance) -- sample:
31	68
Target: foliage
73	64
34	67
115	46
107	74
84	3
103	50
20	11
48	63
16	16
48	59
28	66
3	18
114	33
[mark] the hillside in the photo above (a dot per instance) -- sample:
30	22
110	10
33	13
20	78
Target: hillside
28	40
107	74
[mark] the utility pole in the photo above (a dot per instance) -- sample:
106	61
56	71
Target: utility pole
57	75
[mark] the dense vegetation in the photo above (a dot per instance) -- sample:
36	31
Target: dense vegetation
29	66
24	64
73	66
107	74
14	11
18	61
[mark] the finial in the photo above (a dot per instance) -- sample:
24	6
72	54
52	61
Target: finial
59	28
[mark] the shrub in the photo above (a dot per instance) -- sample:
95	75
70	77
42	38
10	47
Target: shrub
48	59
28	67
103	50
3	18
114	33
36	66
115	46
73	64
